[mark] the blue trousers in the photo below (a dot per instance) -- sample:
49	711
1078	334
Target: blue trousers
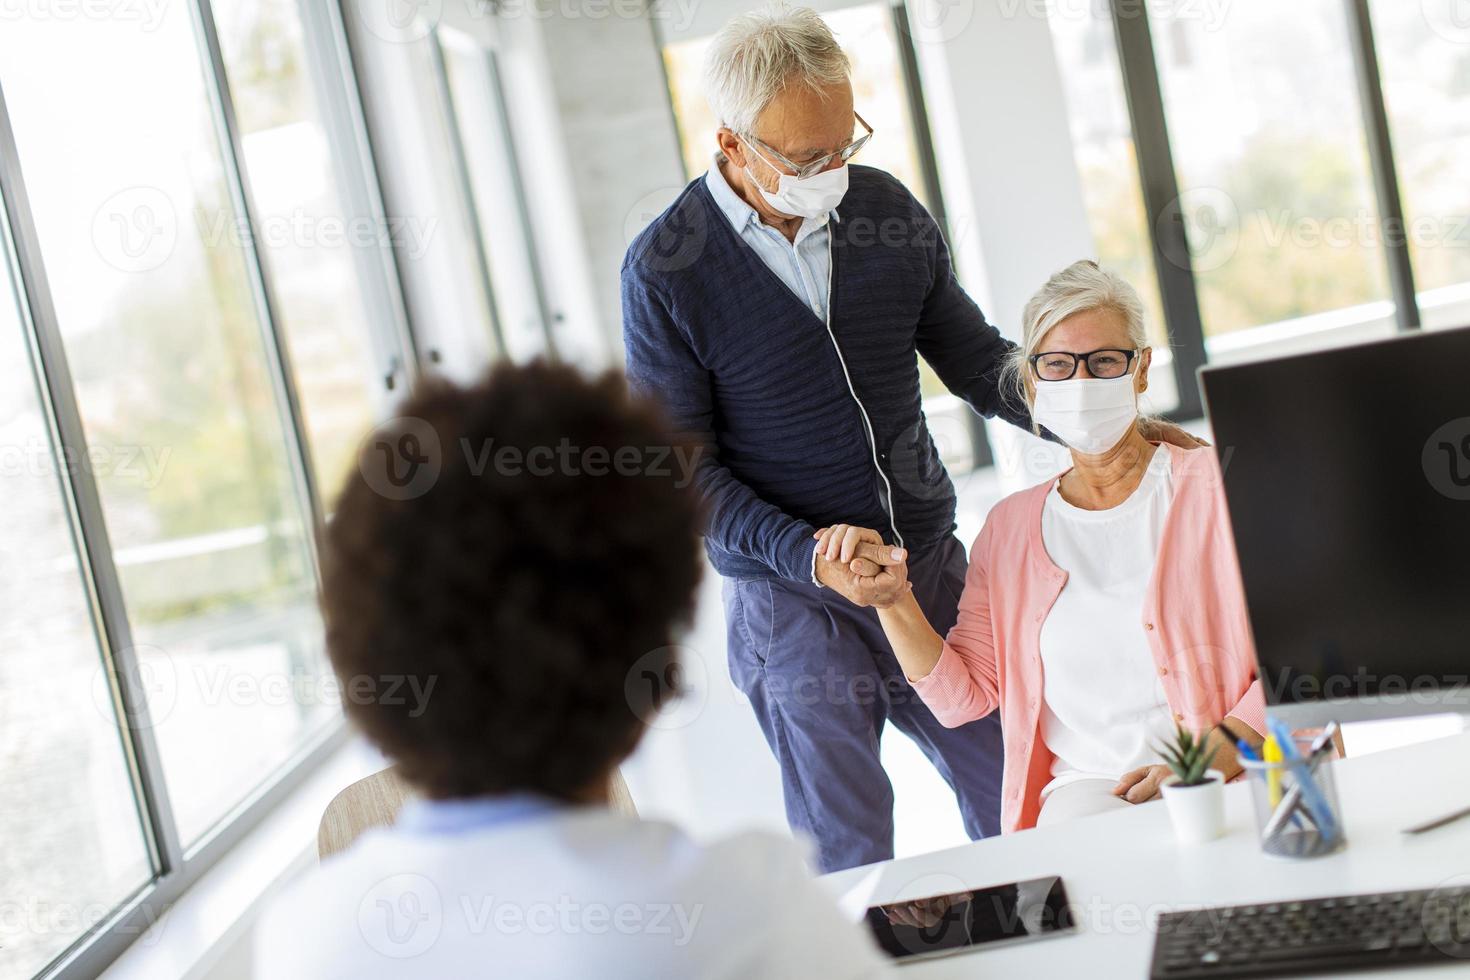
823	681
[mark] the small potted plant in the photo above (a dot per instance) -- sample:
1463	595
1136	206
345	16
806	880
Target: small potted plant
1195	794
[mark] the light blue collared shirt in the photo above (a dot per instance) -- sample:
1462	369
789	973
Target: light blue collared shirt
805	265
420	816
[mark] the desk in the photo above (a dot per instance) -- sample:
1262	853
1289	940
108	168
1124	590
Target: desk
1121	869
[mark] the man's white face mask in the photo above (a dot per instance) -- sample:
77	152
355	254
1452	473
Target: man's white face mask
1092	415
803	197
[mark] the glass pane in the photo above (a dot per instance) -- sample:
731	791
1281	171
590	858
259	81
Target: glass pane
880	95
304	234
1107	163
73	843
129	195
416	160
1273	167
474	90
1424	57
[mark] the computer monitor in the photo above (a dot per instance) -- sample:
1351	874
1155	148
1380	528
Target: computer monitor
1347	474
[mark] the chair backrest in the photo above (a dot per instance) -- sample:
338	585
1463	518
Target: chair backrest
374	801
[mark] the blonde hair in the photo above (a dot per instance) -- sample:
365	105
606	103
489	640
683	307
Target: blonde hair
759	53
1079	288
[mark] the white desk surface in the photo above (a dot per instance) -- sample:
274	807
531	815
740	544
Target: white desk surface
1121	869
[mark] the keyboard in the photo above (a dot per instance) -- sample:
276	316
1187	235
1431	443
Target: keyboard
1323	935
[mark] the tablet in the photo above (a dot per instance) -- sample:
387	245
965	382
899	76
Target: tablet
944	924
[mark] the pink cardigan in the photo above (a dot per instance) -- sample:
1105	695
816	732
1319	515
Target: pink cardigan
1194	616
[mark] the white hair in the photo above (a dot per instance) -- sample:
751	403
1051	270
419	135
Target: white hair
1079	288
758	54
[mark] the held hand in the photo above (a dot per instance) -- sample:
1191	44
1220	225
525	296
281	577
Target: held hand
855	562
1142	784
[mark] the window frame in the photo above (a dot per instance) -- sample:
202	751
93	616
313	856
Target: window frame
1167	235
175	867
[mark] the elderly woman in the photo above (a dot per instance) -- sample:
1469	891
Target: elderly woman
1101	607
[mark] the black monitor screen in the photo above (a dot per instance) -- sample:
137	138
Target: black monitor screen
1348	479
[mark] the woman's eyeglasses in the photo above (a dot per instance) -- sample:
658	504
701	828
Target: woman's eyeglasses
1061	365
814	167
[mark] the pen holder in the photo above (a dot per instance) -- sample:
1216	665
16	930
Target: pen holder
1297	810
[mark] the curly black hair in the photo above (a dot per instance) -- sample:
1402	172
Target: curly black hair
539	551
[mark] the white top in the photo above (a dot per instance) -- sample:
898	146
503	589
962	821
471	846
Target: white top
1104	708
584	893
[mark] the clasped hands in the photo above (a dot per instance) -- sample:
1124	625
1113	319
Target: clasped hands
855	562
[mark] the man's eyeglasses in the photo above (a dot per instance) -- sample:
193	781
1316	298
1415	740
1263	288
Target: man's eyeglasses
814	167
1059	365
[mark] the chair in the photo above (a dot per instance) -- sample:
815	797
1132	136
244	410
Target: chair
374	801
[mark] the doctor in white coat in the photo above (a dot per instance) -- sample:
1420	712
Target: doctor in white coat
503	578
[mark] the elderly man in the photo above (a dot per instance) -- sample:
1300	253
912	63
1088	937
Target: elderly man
779	307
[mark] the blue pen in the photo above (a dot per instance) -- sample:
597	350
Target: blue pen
1244	748
1312	797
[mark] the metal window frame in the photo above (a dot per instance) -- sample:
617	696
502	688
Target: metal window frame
174	867
1385	168
262	288
465	187
982	455
549	316
329	61
1173	262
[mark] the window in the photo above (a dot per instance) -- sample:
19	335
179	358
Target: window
1107	164
209	531
1272	161
494	184
1424	59
305	235
63	865
446	285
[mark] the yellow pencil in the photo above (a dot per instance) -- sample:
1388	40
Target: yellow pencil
1271	754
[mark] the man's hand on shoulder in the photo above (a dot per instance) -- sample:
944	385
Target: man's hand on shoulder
1156	430
855	562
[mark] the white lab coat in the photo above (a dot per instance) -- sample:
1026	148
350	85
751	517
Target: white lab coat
574	894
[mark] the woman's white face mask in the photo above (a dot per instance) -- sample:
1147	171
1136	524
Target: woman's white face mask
1092	415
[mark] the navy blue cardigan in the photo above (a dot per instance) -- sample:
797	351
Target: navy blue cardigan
746	368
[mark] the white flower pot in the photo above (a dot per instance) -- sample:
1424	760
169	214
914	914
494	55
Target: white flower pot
1198	812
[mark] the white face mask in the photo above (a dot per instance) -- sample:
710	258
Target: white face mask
1092	415
811	197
